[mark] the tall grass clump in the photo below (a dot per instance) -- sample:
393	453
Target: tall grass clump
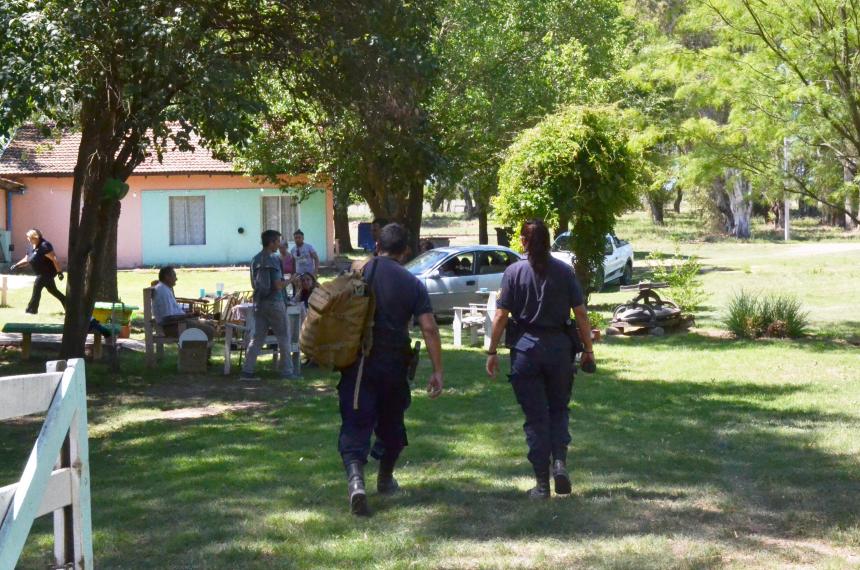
754	315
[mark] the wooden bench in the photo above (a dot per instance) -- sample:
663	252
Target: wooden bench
27	330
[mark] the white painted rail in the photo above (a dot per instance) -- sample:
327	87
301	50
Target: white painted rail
56	478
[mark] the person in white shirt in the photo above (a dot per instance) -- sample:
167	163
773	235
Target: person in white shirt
168	313
306	258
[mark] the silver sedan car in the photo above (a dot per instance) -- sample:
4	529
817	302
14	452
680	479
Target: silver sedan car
457	276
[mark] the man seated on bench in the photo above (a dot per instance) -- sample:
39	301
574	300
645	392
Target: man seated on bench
167	312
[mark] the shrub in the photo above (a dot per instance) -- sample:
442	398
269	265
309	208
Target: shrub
752	315
576	170
682	276
597	320
742	318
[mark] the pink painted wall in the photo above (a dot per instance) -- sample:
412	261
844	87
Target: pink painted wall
45	205
2	209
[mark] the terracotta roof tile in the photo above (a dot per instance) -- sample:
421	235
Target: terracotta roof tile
31	154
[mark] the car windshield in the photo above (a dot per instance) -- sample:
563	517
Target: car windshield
425	261
562	243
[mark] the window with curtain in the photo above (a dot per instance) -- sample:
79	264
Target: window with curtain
281	213
187	220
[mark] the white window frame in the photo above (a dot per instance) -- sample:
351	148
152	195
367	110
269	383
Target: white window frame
170	206
286	233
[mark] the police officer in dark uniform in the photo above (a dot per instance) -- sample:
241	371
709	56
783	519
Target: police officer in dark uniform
374	393
43	260
538	294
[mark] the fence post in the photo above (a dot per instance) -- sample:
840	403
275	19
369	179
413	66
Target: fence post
4	286
73	524
63	435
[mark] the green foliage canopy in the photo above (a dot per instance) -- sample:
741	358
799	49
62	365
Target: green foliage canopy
576	163
504	65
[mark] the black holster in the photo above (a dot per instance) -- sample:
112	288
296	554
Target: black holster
414	356
572	332
513	332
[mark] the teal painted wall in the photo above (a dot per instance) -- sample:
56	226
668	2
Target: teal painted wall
226	211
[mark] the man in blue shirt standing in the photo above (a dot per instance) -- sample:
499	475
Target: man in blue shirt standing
270	307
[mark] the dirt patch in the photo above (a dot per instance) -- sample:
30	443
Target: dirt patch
207	411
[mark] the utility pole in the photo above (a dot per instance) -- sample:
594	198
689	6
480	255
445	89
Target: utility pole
786	218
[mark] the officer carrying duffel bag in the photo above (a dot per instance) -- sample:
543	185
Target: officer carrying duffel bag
339	324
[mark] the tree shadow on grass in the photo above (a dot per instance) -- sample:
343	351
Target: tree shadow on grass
694	341
680	457
265	487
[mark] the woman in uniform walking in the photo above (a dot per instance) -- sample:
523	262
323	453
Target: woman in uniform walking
43	260
538	294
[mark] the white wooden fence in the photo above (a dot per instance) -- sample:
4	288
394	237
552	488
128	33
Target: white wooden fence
56	478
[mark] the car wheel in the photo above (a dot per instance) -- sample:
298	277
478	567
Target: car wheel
627	274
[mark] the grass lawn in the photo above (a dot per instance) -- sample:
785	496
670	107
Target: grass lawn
689	451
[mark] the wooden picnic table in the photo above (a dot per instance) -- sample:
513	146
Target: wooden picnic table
27	330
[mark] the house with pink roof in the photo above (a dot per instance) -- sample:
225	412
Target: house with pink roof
188	209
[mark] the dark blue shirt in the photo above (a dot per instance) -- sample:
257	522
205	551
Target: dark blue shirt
540	303
37	257
400	297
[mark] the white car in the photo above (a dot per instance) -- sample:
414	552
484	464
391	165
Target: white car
617	261
457	276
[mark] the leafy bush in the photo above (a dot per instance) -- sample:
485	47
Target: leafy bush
751	315
597	320
682	275
576	170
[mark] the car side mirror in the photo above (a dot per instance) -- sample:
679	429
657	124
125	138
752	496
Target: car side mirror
436	274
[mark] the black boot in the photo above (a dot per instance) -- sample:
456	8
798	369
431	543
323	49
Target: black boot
386	484
560	477
355	485
541	489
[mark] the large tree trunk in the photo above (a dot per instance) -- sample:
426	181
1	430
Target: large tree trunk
85	256
106	279
679	195
406	210
341	223
852	197
807	210
777	210
852	206
721	204
414	212
656	205
469	208
740	200
830	216
438	201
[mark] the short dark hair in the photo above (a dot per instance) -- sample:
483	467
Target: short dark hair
270	236
165	271
298	233
393	239
381	222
